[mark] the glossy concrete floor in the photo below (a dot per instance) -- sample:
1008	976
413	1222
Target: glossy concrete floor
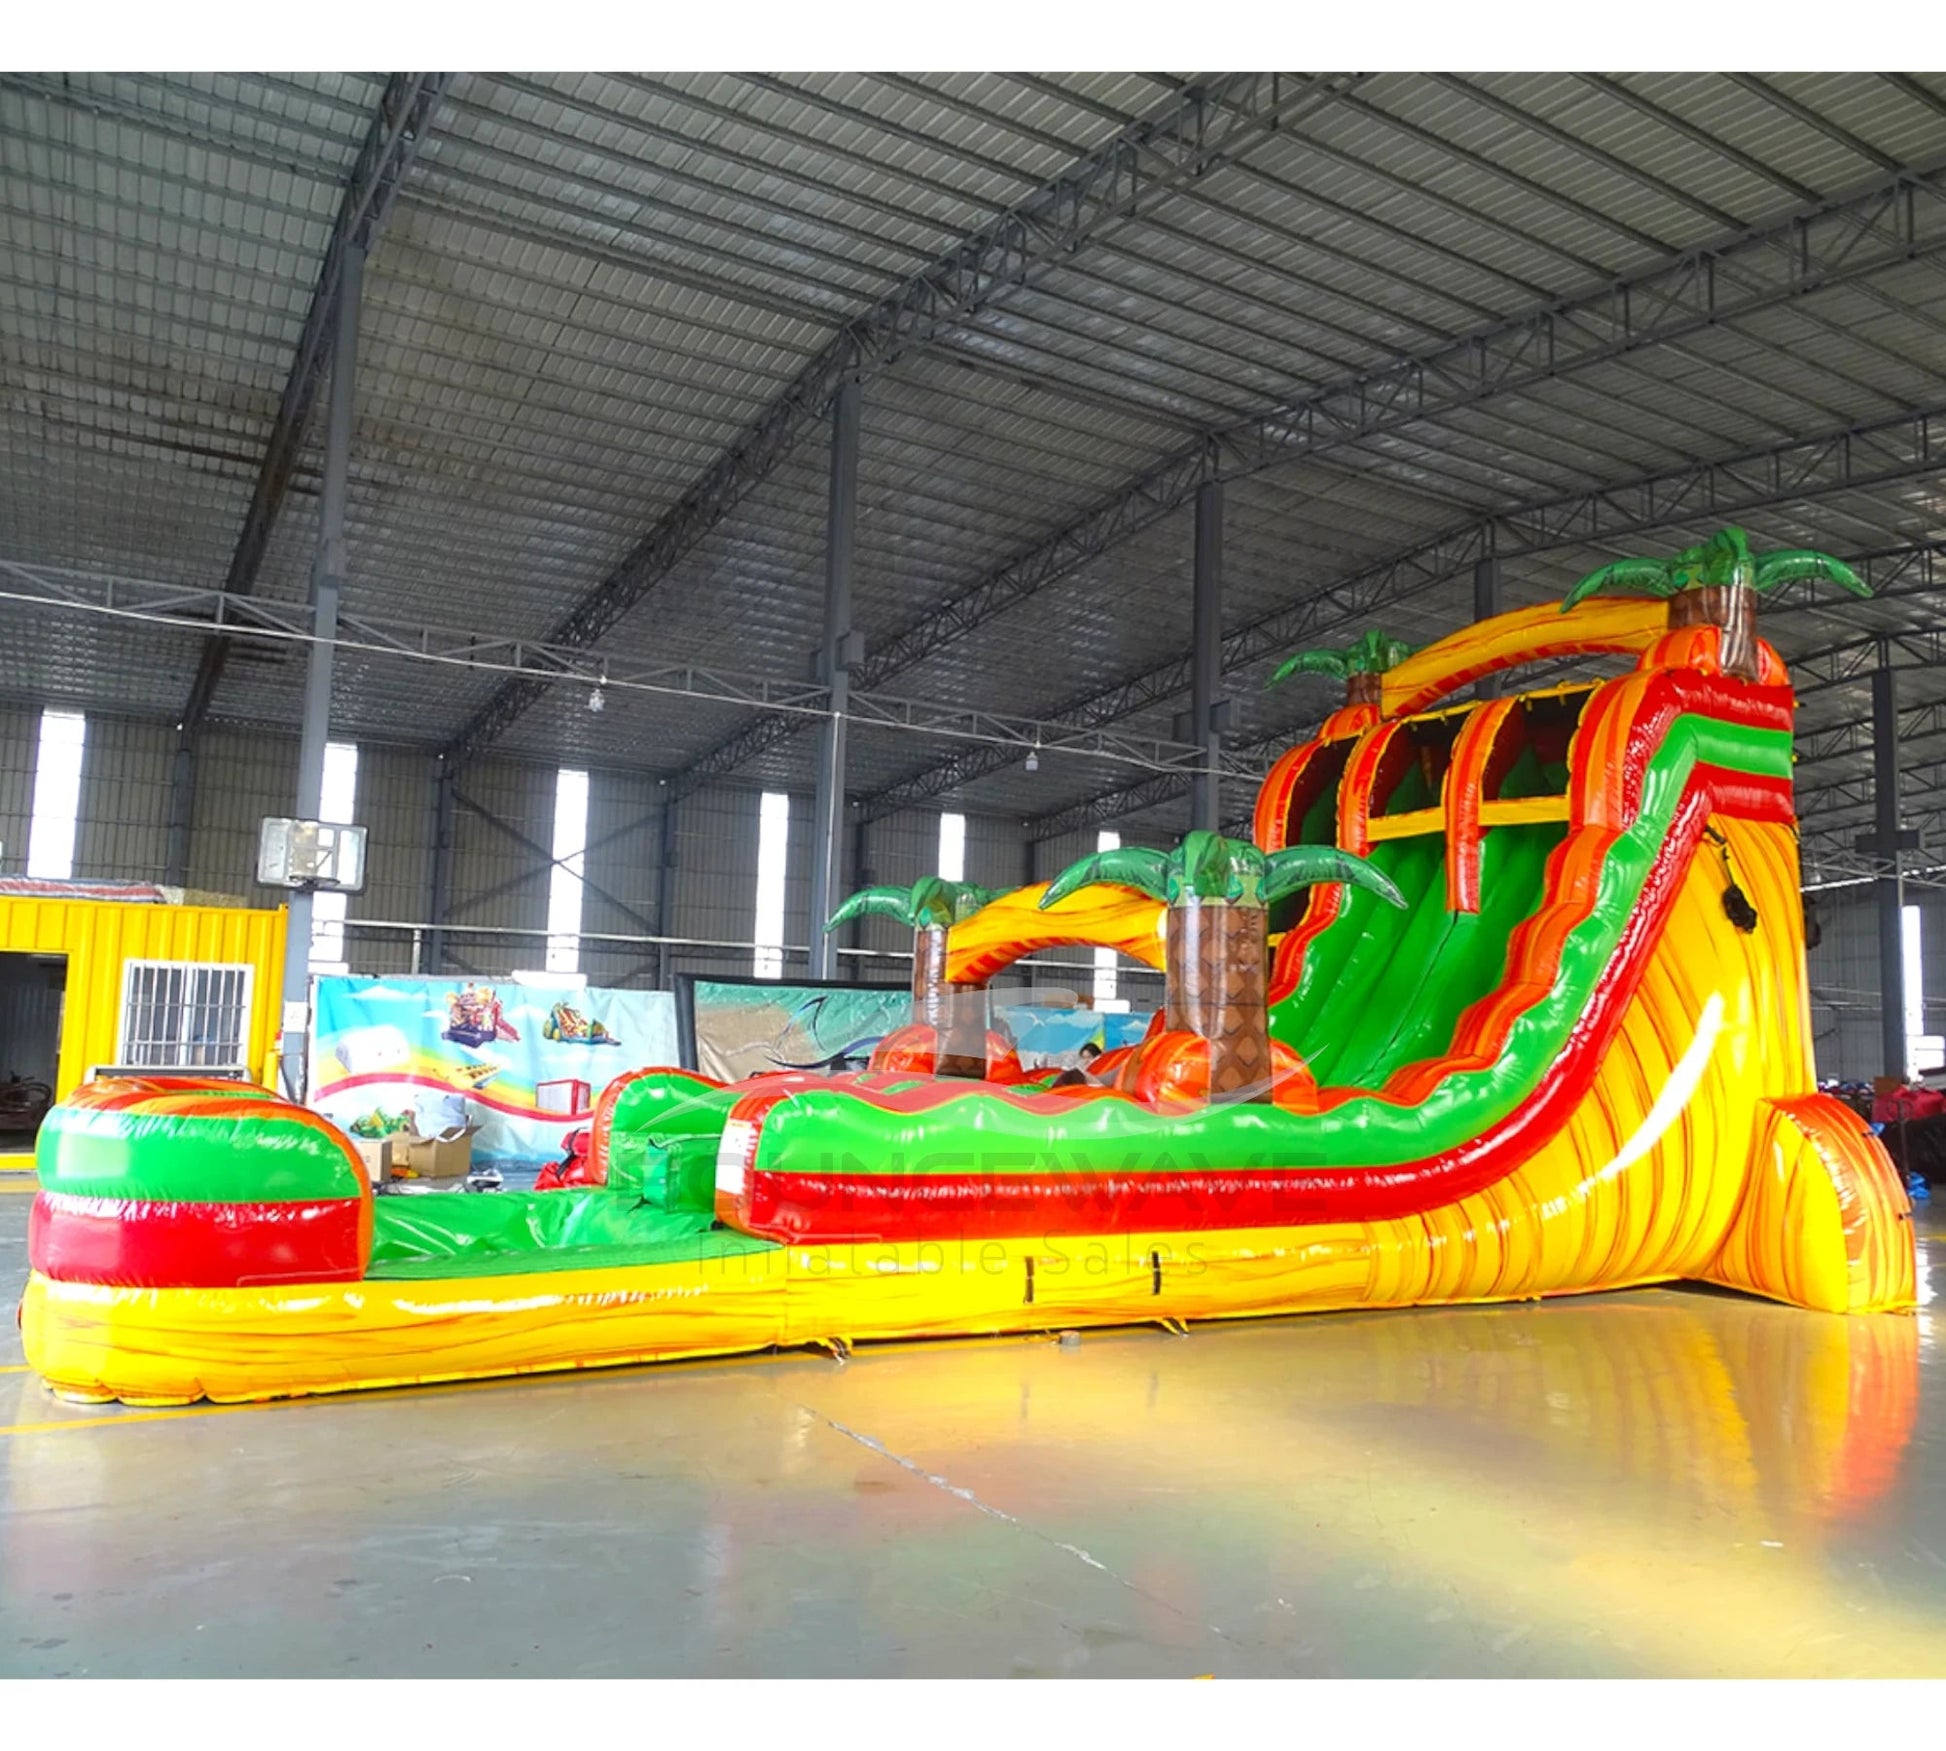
1663	1482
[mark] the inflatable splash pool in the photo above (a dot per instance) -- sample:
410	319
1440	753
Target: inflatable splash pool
1550	1034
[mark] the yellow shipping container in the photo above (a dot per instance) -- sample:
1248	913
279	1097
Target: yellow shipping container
101	938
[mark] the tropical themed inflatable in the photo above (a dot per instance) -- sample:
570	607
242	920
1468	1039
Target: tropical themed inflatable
1504	998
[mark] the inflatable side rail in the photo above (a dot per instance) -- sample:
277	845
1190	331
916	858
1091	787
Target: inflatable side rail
153	1182
638	1107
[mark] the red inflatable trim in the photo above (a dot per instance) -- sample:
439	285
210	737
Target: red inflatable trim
1479	746
132	1244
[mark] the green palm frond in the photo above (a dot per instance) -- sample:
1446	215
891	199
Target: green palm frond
1147	872
879	902
940	904
1305	866
1630	577
930	902
1371	653
1208	868
1799	565
1723	562
1330	663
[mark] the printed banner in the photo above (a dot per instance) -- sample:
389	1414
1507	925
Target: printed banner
746	1028
524	1064
1052	1038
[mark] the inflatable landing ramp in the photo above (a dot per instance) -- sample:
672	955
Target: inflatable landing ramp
1506	1000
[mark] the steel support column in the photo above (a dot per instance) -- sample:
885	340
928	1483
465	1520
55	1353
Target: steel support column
862	876
665	885
1206	658
327	583
828	808
444	784
182	808
1486	604
1891	885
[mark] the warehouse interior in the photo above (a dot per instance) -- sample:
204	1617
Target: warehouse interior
655	505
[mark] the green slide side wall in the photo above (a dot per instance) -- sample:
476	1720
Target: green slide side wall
1384	986
1466	960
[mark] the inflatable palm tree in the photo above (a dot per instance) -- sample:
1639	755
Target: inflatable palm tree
1717	583
955	1013
1219	893
1361	665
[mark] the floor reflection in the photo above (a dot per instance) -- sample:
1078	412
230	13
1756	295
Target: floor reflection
1675	1481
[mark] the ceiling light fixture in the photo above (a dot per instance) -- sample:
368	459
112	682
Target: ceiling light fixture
597	698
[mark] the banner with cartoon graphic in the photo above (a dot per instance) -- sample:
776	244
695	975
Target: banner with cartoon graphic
1052	1039
737	1027
523	1063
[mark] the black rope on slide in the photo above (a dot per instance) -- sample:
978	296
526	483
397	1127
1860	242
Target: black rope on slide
1736	903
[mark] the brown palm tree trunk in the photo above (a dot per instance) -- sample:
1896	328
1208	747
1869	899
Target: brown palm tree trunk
1731	607
1218	979
957	1014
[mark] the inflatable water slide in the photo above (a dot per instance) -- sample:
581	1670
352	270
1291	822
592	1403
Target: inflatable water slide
1505	998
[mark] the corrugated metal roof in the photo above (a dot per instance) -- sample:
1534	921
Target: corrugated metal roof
593	284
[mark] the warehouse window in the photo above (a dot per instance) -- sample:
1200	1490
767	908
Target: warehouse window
564	887
184	1015
773	848
952	847
337	804
1105	980
1923	1051
57	795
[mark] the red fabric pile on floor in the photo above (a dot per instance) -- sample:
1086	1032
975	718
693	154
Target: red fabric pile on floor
573	1169
1908	1104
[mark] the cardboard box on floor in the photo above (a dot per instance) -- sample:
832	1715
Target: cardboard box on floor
376	1154
446	1156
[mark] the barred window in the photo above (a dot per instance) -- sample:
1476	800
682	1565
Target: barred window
185	1015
